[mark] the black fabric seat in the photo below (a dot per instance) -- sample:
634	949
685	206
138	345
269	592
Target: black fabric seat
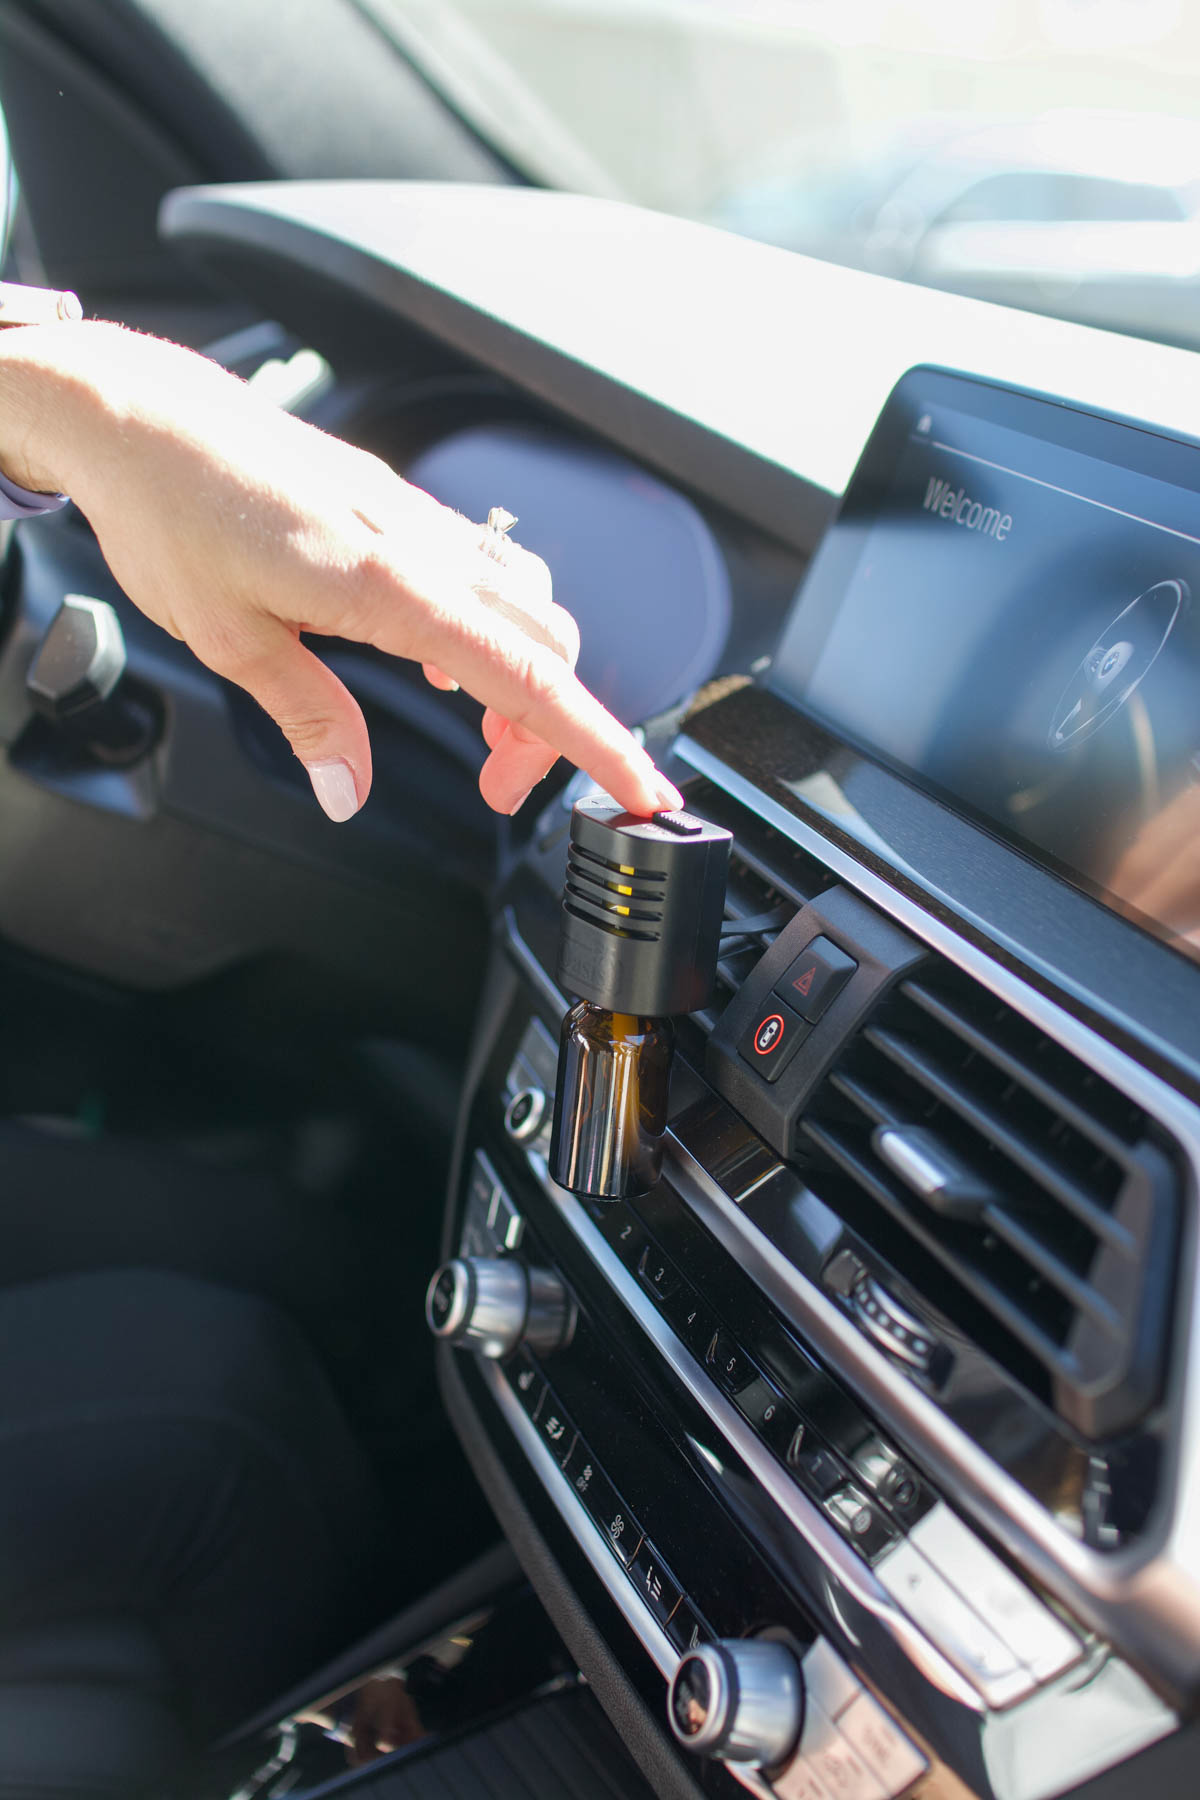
186	1526
86	1707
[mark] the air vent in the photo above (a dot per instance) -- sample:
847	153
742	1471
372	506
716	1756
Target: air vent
1031	1191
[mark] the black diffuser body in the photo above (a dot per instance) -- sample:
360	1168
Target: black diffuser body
642	909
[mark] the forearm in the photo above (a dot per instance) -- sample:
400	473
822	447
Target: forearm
79	399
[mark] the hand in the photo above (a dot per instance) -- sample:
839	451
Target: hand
237	527
385	1718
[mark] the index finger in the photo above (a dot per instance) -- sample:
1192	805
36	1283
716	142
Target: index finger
552	704
530	685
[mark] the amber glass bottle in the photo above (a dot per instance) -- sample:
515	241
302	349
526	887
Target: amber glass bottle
610	1104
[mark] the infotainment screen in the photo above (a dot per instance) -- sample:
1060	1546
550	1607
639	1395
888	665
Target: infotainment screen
1007	610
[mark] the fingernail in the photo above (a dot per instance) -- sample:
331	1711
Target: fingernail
520	802
333	784
669	798
452	687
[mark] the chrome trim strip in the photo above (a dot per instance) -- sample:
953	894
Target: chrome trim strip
653	1639
800	1512
1155	1588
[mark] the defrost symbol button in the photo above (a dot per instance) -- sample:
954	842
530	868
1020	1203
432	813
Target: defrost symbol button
657	1588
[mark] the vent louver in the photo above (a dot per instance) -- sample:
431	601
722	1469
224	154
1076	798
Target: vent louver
1034	1192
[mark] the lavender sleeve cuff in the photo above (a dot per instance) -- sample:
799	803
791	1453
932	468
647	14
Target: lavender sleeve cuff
20	503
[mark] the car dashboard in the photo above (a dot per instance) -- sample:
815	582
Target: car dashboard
893	1371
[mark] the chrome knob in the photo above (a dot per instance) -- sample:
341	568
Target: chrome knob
493	1303
740	1699
525	1114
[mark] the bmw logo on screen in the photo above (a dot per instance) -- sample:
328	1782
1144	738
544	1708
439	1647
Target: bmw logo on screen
1117	663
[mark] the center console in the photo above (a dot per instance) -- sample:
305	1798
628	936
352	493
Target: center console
857	1457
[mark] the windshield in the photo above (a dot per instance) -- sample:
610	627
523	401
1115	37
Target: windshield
1036	153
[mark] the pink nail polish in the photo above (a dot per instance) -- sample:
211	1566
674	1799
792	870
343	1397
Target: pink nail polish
333	784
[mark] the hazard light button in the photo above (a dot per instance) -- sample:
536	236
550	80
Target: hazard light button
770	1043
817	977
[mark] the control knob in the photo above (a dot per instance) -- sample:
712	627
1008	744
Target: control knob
524	1114
77	681
494	1303
740	1700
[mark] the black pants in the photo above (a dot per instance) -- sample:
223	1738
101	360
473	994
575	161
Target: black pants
172	1465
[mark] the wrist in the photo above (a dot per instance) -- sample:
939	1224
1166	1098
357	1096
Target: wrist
51	400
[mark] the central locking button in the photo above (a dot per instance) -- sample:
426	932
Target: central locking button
770	1043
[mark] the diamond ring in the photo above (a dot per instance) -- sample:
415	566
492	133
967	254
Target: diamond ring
495	539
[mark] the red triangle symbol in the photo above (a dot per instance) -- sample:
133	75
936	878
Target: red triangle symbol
805	981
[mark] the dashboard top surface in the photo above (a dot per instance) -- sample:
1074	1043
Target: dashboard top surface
751	373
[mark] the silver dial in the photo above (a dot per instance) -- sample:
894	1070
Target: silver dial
525	1114
493	1303
739	1699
